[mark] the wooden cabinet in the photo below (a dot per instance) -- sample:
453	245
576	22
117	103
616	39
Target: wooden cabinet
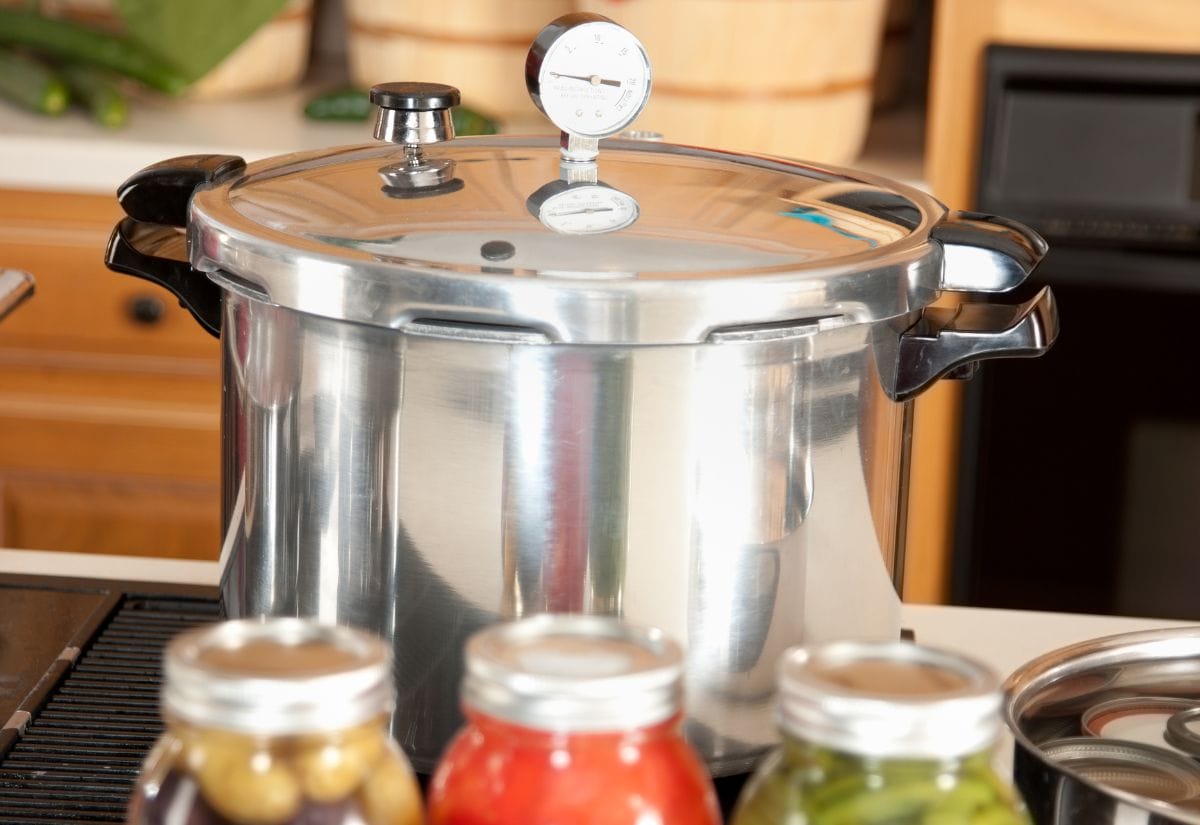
109	396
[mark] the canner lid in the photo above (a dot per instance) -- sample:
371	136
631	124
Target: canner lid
669	244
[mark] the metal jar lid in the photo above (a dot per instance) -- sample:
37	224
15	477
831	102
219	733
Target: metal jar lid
277	676
573	673
1134	767
1183	731
1135	718
702	240
889	700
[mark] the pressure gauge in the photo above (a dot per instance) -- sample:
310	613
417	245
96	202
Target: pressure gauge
590	76
582	208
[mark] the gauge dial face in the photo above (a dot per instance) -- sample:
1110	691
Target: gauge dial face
594	78
588	209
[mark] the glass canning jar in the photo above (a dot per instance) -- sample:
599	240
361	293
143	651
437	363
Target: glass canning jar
273	722
882	733
571	720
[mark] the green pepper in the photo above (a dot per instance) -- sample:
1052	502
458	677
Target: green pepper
880	806
79	44
339	104
998	815
834	790
467	121
939	816
32	84
961	803
102	98
805	784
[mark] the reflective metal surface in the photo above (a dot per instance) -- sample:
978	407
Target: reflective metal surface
1182	733
571	673
276	677
414	114
1046	698
889	700
740	495
455	405
721	240
986	253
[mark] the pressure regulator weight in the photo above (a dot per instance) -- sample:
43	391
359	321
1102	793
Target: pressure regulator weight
590	76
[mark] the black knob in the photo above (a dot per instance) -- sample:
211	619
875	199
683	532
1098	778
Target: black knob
146	309
497	250
414	97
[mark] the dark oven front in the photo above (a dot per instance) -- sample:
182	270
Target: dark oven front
1079	482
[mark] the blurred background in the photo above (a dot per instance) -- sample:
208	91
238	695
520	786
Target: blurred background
1071	485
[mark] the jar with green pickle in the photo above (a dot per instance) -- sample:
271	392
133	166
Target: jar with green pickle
882	733
276	722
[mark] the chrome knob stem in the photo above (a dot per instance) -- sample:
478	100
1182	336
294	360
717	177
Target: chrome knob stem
415	115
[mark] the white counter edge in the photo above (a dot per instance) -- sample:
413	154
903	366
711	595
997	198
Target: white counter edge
114	568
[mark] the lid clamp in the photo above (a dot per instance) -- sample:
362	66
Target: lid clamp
415	115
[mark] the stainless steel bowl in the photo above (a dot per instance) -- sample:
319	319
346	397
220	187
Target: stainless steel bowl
1046	698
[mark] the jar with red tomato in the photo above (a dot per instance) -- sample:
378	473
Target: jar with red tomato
571	720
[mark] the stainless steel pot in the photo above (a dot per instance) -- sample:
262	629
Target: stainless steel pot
674	390
1045	700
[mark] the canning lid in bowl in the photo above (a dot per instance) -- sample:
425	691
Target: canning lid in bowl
1134	767
1061	685
1183	731
700	240
1136	719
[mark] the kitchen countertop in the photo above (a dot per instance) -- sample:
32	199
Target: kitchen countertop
1004	639
70	153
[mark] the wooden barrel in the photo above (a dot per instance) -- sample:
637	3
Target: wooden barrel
478	46
785	77
274	57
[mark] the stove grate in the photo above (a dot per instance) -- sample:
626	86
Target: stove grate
82	751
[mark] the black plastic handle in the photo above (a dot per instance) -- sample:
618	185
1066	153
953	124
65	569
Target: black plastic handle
159	254
149	245
160	193
947	339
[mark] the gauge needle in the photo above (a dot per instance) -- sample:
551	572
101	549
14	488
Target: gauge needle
594	79
588	211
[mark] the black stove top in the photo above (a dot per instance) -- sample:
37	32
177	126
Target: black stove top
80	668
80	672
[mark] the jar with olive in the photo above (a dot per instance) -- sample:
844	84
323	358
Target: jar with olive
882	733
277	722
